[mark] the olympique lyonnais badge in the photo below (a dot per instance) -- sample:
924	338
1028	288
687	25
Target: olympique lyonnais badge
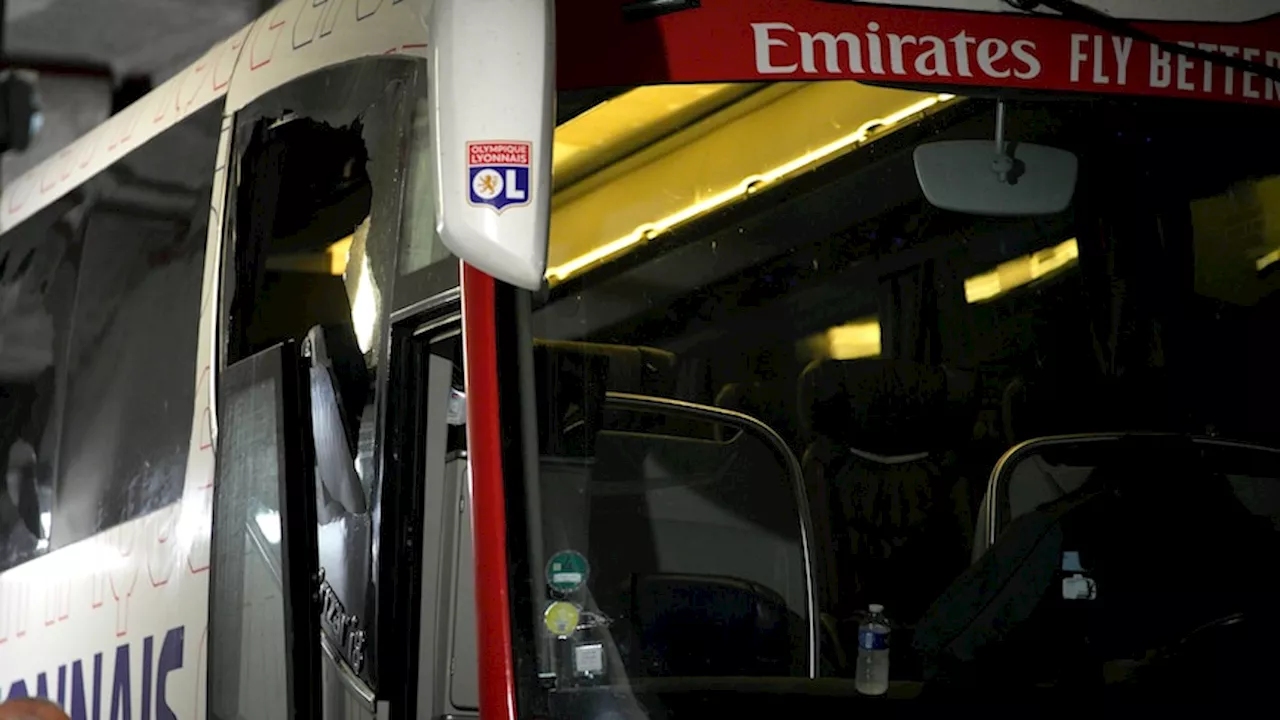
498	172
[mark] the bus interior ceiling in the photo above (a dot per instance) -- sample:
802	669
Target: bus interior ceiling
819	251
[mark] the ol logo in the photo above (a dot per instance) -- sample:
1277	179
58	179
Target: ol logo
498	173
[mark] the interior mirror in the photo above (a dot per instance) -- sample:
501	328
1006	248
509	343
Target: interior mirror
1003	178
1045	470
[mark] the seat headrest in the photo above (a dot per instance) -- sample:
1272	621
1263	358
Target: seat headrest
751	398
886	407
630	369
765	401
572	379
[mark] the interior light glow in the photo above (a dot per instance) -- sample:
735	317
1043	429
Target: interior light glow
750	184
268	522
364	310
1019	271
339	253
851	341
1267	260
633	118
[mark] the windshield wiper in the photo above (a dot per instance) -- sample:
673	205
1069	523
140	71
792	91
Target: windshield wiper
1074	10
649	9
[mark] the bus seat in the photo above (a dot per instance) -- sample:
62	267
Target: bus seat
641	497
571	379
885	479
1004	625
761	401
631	369
567	368
695	509
707	626
1038	408
1044	406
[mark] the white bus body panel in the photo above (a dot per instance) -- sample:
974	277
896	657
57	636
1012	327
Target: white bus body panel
139	592
298	37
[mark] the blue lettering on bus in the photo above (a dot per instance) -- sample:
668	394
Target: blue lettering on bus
121	703
84	701
170	660
146	677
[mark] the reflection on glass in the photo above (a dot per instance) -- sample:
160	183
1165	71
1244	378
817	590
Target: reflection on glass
249	659
773	254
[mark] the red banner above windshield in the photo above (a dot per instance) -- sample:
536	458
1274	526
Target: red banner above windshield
797	40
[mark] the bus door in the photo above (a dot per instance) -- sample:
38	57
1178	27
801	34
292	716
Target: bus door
264	621
426	418
332	246
318	190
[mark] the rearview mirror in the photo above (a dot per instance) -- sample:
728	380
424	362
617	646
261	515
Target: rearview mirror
966	176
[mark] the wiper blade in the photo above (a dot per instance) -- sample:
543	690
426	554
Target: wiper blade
649	9
1074	10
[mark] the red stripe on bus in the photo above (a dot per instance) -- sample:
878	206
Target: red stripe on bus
489	524
802	40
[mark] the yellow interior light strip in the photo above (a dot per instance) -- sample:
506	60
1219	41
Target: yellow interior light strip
1267	260
1019	271
745	186
619	126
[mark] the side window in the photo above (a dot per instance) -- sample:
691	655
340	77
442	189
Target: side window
131	360
422	246
319	215
39	264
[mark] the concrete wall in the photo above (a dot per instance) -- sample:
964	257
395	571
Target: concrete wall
71	107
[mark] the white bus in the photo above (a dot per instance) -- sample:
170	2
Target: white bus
585	358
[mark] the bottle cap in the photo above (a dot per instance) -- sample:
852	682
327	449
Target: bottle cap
876	608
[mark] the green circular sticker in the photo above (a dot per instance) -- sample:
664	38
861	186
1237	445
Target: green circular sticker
566	571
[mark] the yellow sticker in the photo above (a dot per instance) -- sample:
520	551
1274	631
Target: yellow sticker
561	618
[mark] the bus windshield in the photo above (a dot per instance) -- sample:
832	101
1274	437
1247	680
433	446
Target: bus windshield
773	380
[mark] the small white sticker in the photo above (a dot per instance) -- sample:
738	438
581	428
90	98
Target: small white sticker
1079	587
588	659
457	407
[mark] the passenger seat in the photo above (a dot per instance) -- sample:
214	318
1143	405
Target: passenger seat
694	543
883	483
1054	405
762	401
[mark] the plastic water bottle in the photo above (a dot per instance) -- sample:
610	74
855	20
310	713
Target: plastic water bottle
873	653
